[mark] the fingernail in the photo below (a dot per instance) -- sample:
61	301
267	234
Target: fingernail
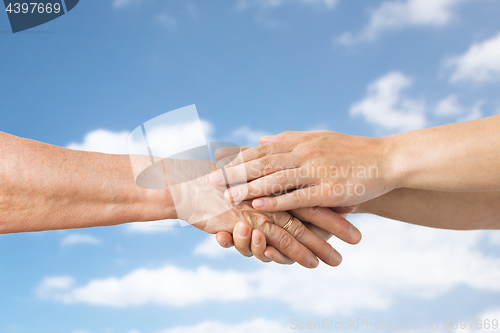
233	193
269	256
223	244
217	177
259	203
256	240
336	258
354	234
314	262
241	231
266	137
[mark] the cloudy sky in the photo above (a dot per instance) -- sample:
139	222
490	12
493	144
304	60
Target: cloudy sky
252	67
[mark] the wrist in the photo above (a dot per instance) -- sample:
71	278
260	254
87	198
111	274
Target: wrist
395	164
140	204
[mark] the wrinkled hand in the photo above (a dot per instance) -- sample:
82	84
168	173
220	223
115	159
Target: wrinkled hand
203	205
252	242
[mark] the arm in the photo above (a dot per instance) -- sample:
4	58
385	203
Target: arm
342	170
44	187
456	157
446	210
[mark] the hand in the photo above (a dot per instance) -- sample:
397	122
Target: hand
201	204
249	242
328	169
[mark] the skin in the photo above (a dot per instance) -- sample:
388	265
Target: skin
252	242
319	164
436	209
421	187
45	187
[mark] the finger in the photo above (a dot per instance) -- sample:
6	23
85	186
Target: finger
266	165
321	233
344	210
282	136
242	173
301	198
267	149
284	242
318	246
224	152
276	184
241	237
330	221
224	239
258	245
277	257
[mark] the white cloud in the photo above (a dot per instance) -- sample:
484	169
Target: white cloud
167	21
169	285
260	325
476	113
481	63
494	236
450	106
153	226
75	239
385	106
250	136
125	3
50	285
394	260
211	249
391	15
103	141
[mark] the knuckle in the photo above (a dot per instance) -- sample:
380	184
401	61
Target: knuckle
300	232
298	196
272	201
263	150
260	222
285	242
280	216
280	177
315	211
266	163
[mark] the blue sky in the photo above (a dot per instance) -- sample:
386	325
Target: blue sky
252	67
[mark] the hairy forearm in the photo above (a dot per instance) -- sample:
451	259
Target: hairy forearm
446	210
45	187
456	157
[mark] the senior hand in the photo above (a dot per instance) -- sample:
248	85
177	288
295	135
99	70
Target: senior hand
327	169
203	205
253	242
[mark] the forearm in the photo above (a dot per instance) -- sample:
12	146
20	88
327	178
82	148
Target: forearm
447	210
456	157
44	187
